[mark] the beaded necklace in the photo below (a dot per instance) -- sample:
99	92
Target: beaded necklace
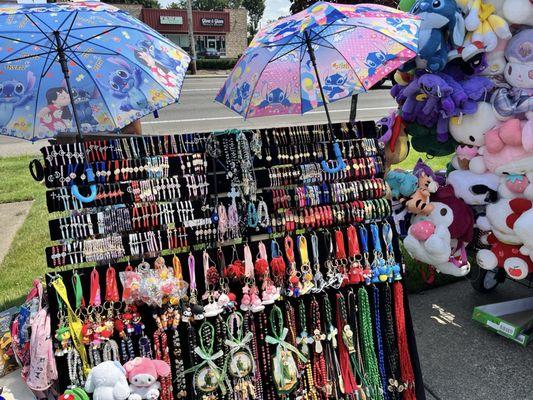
394	386
239	359
406	367
334	377
319	361
379	342
250	326
161	353
304	340
266	357
347	384
369	356
177	352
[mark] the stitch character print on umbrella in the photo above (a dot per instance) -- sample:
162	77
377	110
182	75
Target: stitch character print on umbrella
87	61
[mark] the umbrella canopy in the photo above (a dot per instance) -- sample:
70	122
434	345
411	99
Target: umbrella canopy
355	46
109	65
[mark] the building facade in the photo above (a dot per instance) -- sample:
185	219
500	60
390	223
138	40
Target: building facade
224	31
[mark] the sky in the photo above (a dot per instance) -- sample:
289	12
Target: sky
273	9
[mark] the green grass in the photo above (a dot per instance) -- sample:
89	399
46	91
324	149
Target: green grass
436	163
25	260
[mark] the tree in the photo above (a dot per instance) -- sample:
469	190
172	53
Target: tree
174	6
144	3
206	5
255	8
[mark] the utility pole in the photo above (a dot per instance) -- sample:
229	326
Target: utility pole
192	42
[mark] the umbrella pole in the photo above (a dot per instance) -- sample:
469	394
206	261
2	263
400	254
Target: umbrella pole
311	52
341	165
64	67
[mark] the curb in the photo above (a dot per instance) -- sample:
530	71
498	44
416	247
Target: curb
188	76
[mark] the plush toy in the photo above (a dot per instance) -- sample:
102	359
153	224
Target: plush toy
496	62
506	256
394	139
440	238
469	130
516	185
142	374
518	12
467	61
107	381
475	189
509	148
523	227
503	216
483	24
402	183
424	140
442	27
74	394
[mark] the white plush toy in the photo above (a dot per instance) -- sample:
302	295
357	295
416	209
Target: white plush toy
469	131
496	61
107	381
474	189
524	229
516	185
501	217
518	12
429	241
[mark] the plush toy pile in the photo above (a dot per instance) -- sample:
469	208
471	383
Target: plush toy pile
468	94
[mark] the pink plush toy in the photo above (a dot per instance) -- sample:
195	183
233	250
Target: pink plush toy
142	373
508	148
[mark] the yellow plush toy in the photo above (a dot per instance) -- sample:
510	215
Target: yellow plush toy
483	24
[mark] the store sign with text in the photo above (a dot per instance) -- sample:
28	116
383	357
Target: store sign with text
212	22
170	20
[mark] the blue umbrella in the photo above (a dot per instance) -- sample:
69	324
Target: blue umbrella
81	67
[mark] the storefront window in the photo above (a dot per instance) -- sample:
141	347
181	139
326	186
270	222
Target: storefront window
217	42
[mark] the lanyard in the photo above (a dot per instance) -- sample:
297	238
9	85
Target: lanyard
263	251
95	298
248	263
192	272
353	242
302	247
78	291
314	247
178	271
363	233
111	288
340	252
74	323
289	249
386	231
375	238
274	249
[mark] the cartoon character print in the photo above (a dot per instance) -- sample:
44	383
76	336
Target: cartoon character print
56	116
14	94
83	107
275	97
334	85
376	59
399	25
241	94
162	57
125	84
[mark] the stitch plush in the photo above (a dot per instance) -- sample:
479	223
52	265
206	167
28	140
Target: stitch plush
142	374
506	256
402	183
442	27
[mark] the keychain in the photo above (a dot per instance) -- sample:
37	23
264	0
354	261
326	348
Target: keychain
306	272
386	231
367	271
355	272
381	271
294	287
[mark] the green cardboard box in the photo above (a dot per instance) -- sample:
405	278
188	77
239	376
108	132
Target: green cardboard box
511	319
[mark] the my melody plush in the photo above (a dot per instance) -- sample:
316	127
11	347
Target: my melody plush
514	102
143	374
469	131
506	256
440	238
107	381
441	28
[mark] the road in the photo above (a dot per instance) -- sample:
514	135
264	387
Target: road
197	111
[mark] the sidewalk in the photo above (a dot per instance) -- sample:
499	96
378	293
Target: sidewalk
460	359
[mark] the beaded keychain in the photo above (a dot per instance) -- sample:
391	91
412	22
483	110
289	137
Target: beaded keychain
261	268
239	360
208	376
284	367
212	278
250	299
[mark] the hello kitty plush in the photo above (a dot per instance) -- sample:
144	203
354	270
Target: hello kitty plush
506	256
469	131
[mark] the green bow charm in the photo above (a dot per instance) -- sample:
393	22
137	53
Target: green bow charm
208	376
284	366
